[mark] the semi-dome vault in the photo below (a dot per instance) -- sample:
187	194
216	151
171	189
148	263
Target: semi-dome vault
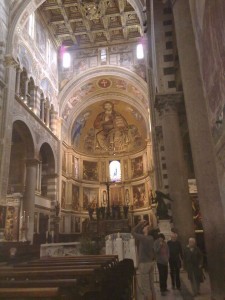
108	127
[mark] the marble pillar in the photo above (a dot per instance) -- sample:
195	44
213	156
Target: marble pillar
42	110
26	96
203	149
6	123
47	112
29	196
53	120
167	106
37	100
18	73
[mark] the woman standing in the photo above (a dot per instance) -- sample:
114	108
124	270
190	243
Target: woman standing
193	261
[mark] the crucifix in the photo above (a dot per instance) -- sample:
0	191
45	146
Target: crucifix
108	183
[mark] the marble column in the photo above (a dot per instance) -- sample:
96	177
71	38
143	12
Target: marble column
203	149
26	96
29	196
42	109
18	72
37	100
167	106
53	120
6	123
47	112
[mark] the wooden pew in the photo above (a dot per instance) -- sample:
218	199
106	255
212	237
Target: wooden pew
93	276
29	293
46	273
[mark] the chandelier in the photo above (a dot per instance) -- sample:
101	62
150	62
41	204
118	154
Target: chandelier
94	9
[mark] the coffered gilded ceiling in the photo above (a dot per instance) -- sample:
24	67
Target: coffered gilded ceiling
84	23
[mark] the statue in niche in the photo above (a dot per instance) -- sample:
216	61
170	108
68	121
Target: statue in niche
163	210
112	130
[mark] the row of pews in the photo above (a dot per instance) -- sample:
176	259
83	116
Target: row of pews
88	277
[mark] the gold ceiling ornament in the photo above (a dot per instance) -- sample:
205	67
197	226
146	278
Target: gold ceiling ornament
94	9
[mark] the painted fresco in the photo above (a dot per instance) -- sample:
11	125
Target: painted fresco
41	38
2	216
46	86
139	196
90	170
90	198
136	167
109	127
116	196
75	197
210	23
111	84
53	59
25	58
11	223
75	167
63	195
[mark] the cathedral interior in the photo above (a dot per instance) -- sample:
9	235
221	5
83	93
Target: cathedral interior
104	106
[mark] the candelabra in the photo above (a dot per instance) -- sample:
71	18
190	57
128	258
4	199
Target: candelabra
25	220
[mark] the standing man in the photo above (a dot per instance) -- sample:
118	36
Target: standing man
176	256
193	261
141	233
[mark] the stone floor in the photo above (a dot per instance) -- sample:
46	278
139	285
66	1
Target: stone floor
185	293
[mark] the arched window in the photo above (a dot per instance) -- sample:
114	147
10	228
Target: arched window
140	51
115	170
66	60
31	25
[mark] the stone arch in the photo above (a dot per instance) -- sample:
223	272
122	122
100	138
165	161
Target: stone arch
22	149
47	170
90	74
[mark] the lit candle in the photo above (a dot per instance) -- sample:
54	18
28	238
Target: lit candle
28	222
24	214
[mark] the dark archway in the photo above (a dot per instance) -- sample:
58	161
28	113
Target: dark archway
22	149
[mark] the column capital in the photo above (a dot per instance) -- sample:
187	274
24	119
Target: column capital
167	103
32	161
10	61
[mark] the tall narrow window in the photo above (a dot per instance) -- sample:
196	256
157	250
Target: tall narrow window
140	51
66	60
115	170
103	55
31	25
48	51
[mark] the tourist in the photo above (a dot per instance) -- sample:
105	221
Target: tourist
145	259
162	258
176	256
193	261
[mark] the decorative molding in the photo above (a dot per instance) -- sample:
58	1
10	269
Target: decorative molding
159	132
167	103
10	62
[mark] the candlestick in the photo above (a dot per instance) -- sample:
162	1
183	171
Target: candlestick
28	222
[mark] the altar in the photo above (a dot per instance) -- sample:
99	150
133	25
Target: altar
60	249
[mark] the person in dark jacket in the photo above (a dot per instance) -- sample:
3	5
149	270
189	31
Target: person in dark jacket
193	261
146	261
176	256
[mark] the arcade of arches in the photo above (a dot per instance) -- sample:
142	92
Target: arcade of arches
108	128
